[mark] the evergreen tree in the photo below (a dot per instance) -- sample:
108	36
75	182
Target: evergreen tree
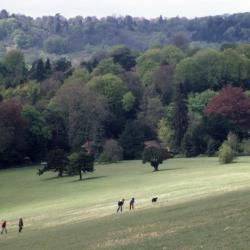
40	70
48	66
180	118
56	161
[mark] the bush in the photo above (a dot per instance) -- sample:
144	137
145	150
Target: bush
245	147
112	152
226	153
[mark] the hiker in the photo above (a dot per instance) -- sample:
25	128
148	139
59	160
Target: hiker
120	204
131	203
20	225
4	225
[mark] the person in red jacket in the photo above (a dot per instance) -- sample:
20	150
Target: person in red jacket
4	225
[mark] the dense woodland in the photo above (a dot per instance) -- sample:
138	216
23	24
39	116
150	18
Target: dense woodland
192	100
82	36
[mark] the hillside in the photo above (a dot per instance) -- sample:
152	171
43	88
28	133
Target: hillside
80	37
201	205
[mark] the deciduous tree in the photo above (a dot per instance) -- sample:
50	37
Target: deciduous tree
233	104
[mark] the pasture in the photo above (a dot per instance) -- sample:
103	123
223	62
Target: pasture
202	205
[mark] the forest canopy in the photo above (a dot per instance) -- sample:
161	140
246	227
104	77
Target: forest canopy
116	82
82	36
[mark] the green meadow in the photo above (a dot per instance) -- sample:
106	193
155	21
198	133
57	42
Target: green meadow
201	205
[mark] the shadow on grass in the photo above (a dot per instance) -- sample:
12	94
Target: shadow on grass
88	178
168	169
55	178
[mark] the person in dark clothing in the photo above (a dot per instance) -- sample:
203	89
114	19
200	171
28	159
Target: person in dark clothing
20	225
120	204
4	227
131	203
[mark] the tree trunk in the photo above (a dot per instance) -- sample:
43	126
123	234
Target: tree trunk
80	174
60	173
155	166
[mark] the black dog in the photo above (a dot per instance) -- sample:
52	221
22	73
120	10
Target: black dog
154	199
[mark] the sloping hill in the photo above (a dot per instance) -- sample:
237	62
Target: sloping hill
202	205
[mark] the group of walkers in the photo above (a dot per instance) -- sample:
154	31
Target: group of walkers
121	203
4	226
20	223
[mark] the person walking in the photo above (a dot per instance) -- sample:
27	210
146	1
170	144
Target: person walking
120	204
132	203
4	227
20	225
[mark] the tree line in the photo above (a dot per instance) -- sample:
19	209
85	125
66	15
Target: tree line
188	99
58	35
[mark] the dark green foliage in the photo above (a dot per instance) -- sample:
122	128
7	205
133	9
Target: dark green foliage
155	156
194	141
124	57
217	127
37	133
107	66
48	66
58	35
56	161
81	161
133	137
180	119
11	134
118	93
38	71
112	152
62	64
212	146
14	72
56	124
245	147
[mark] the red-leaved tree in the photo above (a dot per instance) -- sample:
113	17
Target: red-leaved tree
232	103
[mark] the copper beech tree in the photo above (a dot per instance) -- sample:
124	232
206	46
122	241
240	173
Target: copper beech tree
233	104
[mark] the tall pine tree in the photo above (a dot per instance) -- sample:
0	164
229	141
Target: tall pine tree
48	66
180	118
40	70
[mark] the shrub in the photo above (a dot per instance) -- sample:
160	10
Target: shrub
112	152
245	147
226	153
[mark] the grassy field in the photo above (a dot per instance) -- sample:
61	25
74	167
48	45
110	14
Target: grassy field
202	205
